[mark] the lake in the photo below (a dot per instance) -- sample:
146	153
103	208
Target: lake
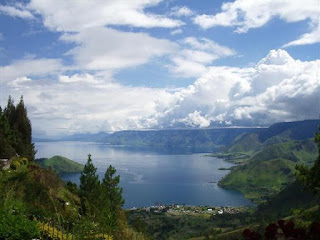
153	175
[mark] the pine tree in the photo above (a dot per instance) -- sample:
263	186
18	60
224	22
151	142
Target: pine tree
22	126
110	186
111	200
89	189
7	137
15	131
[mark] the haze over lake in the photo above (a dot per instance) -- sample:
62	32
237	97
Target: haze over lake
153	175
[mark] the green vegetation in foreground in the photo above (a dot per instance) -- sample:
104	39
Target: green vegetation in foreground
31	195
268	171
60	164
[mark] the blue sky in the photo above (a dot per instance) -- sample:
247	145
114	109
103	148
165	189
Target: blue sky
91	66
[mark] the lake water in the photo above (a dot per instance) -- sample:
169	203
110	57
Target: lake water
153	175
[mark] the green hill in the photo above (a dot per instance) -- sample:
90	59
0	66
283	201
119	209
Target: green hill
61	164
269	170
248	143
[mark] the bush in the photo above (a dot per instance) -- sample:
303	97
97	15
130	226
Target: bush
16	227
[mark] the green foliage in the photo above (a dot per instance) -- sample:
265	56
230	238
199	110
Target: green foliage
15	131
283	203
61	164
89	189
17	162
101	201
111	199
310	176
16	227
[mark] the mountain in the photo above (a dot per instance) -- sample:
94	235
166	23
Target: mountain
207	139
249	144
60	164
87	137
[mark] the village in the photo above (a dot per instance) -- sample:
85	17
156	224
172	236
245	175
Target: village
176	209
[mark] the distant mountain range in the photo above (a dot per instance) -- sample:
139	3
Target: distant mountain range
206	139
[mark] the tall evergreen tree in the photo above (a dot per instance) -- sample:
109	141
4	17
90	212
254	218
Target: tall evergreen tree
7	137
22	126
111	189
89	189
111	199
15	131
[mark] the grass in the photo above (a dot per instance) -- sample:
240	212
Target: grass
269	170
61	164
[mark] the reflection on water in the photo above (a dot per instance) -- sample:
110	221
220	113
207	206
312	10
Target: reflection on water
153	175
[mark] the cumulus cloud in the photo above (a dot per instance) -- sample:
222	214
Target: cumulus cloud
194	120
181	11
81	103
279	88
245	15
16	11
66	16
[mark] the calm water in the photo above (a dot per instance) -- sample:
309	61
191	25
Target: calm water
153	175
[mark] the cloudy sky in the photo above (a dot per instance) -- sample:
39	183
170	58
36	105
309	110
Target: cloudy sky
107	65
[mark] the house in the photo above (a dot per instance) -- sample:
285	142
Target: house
5	164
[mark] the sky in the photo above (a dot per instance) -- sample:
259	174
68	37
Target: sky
109	65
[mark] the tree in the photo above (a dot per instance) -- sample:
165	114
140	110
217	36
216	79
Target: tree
111	199
15	131
22	126
111	189
89	191
7	137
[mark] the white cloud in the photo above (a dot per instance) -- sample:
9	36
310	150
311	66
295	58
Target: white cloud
15	11
279	88
195	120
30	68
195	55
177	31
80	78
307	38
66	16
108	49
209	45
181	11
247	14
85	104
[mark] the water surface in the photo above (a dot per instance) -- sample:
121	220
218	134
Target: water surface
153	175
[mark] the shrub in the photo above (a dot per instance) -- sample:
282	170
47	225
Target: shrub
16	227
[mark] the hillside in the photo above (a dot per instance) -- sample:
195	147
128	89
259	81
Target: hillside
206	139
269	170
60	164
